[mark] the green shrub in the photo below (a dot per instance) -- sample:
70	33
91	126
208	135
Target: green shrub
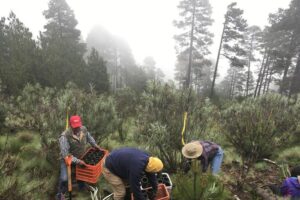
255	127
14	145
25	137
9	188
2	115
199	187
290	156
160	120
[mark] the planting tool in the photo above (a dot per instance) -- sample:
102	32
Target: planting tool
68	161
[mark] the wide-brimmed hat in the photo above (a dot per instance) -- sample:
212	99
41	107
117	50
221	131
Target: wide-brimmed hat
75	121
192	150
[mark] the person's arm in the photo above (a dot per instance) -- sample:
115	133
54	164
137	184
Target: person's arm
284	189
186	165
153	182
134	181
90	139
64	149
204	163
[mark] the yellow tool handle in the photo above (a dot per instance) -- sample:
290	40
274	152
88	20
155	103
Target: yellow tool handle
183	128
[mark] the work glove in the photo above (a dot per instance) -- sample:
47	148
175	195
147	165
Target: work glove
152	195
82	164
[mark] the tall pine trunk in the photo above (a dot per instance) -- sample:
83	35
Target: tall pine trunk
260	74
295	86
284	82
188	78
266	79
217	62
249	65
263	75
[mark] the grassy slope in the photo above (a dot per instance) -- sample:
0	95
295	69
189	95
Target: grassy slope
28	175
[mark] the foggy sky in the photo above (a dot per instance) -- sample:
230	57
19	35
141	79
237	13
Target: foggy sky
145	24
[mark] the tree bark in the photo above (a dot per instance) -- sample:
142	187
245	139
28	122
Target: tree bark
249	65
269	80
260	74
217	62
288	62
266	79
263	75
188	78
295	86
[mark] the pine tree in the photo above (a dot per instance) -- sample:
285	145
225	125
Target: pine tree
253	45
17	58
282	45
62	47
286	22
96	72
117	54
3	48
232	40
149	67
234	83
193	42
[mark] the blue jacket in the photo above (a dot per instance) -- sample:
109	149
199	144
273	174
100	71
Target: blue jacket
291	187
129	164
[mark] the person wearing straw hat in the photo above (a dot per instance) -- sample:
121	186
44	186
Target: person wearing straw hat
209	153
127	165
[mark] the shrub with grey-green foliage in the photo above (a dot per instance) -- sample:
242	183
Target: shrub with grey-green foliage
97	111
160	120
296	139
257	127
2	115
199	187
126	101
3	108
30	107
45	110
204	122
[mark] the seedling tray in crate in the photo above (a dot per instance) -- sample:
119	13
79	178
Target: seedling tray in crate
161	194
162	178
93	169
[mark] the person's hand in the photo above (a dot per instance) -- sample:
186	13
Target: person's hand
82	164
186	167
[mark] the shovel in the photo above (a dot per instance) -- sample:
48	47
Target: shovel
68	161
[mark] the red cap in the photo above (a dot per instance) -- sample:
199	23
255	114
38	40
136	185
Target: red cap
75	121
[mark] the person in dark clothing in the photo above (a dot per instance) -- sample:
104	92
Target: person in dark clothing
127	165
207	152
290	187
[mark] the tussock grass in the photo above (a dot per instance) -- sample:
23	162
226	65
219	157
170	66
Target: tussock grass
25	137
290	156
230	156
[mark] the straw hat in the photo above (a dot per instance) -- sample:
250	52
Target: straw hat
192	150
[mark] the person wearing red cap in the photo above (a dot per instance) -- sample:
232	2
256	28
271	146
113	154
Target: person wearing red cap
73	141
